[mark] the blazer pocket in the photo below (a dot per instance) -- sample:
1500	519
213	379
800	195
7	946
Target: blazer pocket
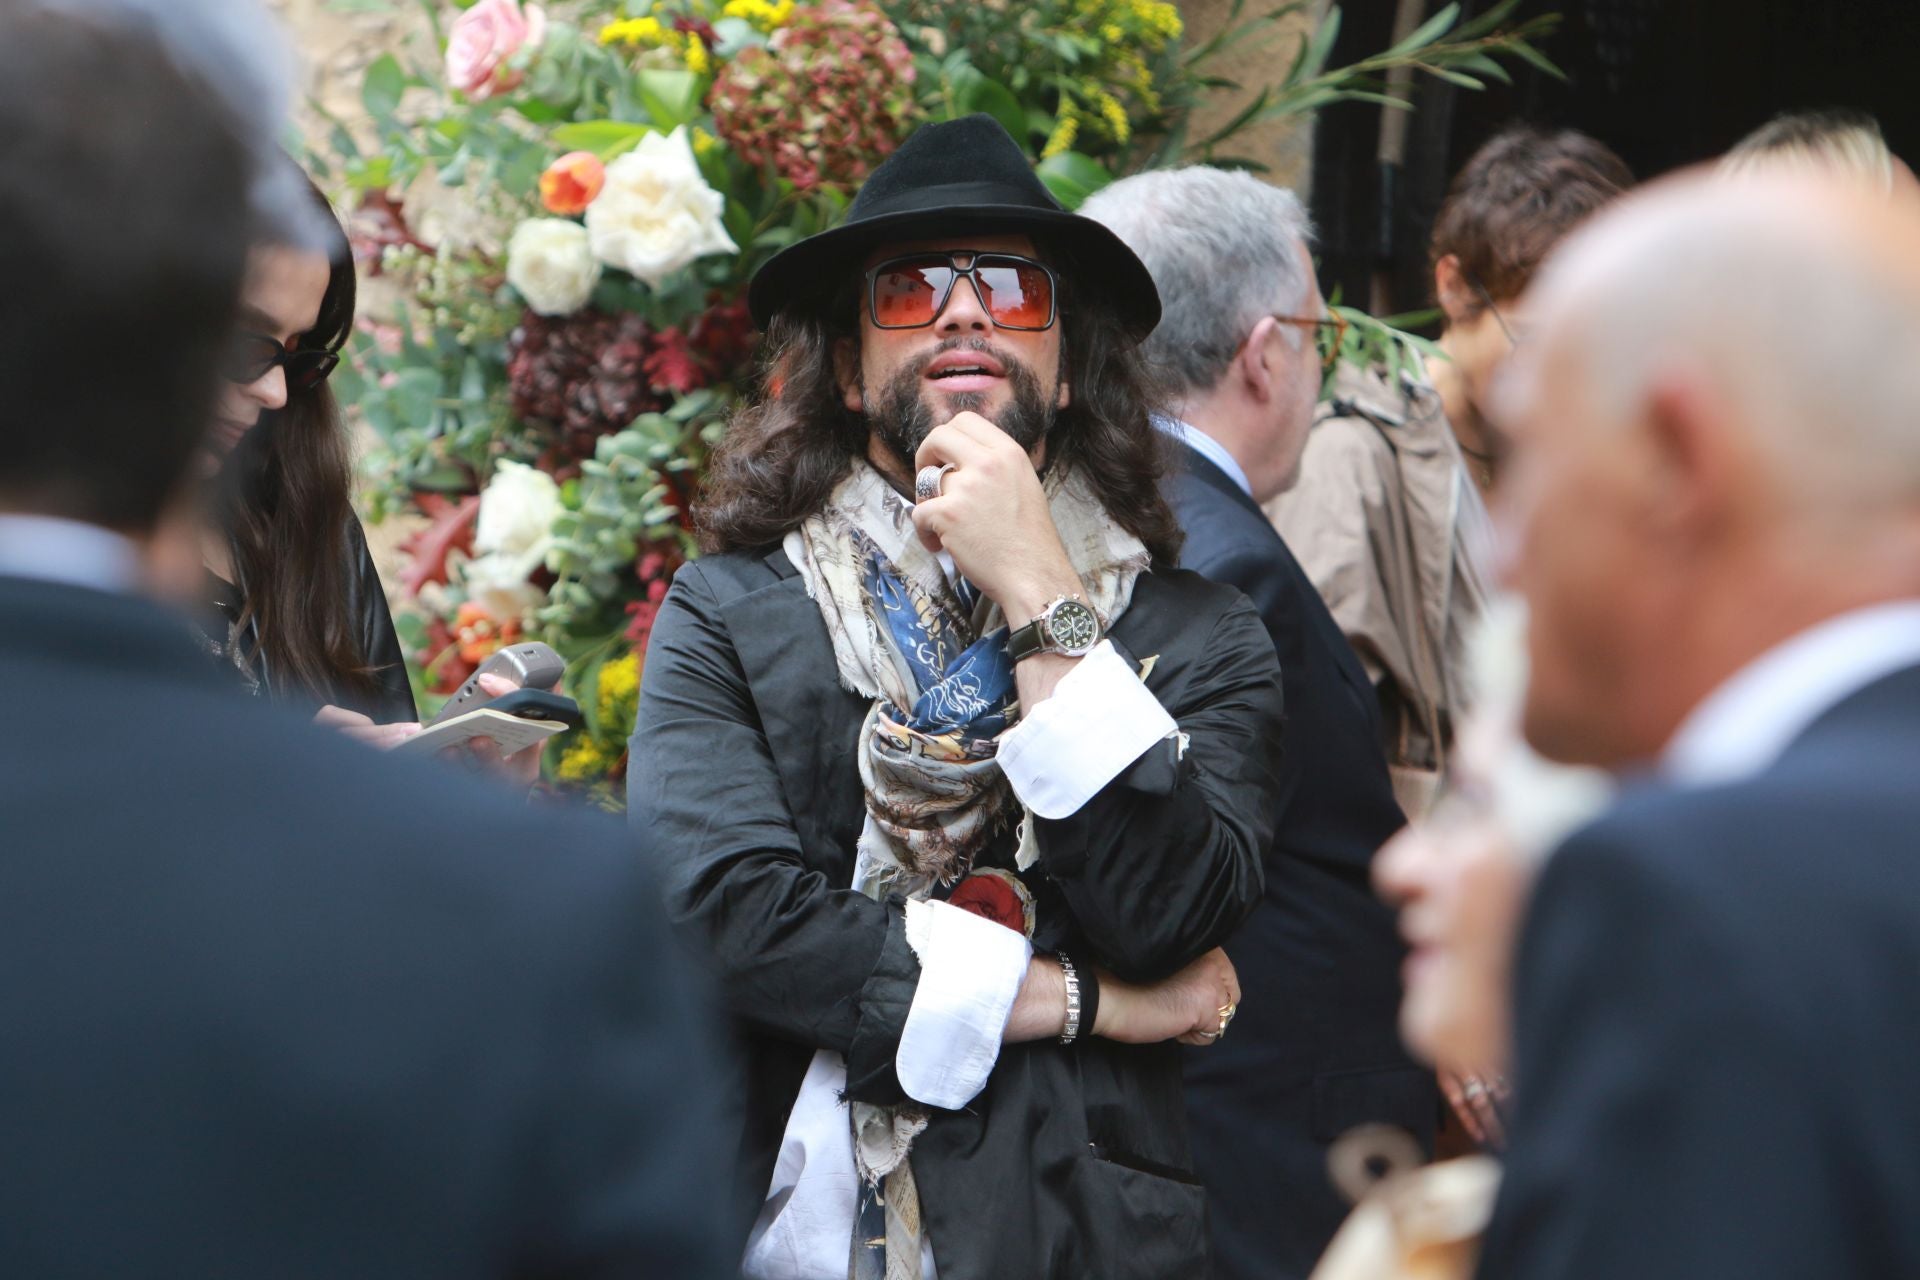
1142	1223
1140	1164
1401	1095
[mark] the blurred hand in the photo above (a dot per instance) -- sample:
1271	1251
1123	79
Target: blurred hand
1185	1007
482	754
1477	1097
360	728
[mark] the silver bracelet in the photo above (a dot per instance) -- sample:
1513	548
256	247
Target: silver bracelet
1070	1032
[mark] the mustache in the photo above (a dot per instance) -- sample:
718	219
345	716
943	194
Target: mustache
975	343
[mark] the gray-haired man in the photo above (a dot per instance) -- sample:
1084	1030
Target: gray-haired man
1320	1054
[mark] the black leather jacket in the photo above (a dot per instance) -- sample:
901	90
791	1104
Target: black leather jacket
392	696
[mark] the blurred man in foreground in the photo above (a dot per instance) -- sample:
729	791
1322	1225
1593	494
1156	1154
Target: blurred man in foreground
1716	501
274	1006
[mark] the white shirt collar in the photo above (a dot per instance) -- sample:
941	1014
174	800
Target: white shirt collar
54	550
1207	447
1744	725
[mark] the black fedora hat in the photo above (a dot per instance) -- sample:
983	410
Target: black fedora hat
954	178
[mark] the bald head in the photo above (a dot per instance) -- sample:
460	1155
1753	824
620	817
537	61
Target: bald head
1714	443
1796	301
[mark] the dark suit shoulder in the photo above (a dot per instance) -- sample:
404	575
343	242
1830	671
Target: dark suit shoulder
725	576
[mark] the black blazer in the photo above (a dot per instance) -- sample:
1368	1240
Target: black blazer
1073	1161
1314	1050
277	1006
1718	1024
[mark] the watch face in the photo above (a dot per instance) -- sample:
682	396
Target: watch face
1072	627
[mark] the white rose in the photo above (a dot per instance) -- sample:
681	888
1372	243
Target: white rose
512	535
657	214
551	263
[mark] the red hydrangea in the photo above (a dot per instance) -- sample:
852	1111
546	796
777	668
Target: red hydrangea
828	99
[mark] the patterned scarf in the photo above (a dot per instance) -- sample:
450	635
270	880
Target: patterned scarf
932	656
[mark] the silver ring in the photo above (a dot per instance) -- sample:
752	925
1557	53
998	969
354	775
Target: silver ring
926	485
1473	1090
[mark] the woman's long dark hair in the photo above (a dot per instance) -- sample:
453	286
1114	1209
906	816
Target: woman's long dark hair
286	506
785	450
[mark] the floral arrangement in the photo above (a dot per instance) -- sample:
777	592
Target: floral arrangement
571	201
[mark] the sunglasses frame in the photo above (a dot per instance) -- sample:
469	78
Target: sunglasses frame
874	273
283	358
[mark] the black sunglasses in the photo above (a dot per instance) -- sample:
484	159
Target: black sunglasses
253	355
910	292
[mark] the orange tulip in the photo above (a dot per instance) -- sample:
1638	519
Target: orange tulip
571	182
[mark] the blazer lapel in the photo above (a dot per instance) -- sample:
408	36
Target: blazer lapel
1313	610
812	724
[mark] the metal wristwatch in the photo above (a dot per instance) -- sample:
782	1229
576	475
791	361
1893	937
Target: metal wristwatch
1066	626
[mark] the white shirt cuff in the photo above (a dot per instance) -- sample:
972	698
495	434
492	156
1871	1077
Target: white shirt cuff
970	972
1100	719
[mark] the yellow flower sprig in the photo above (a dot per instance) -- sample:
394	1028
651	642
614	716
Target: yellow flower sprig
765	15
639	33
651	33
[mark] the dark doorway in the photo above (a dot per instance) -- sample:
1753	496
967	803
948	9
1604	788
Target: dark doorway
1663	82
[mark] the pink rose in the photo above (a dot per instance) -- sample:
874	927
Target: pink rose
484	38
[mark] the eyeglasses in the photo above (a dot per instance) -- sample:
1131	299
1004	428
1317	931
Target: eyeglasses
911	292
252	355
1513	341
1329	332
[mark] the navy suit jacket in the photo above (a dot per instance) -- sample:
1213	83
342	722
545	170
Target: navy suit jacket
1314	1050
275	1005
1718	1024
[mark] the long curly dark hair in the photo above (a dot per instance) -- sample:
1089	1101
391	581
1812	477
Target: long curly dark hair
787	448
285	503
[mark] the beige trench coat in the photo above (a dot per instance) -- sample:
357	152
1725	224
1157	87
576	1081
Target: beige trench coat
1391	529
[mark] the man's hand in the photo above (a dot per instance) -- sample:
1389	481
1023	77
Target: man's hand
992	517
1185	1007
1476	1098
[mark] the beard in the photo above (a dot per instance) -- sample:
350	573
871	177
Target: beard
902	415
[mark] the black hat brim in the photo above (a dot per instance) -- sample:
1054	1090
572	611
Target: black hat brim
810	276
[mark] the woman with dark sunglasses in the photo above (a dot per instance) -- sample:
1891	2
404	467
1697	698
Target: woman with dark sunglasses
294	603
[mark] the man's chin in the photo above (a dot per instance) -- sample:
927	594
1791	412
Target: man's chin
948	405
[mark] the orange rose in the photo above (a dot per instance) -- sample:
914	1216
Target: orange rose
478	635
571	182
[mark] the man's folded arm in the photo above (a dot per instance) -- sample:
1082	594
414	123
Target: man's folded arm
1159	853
795	956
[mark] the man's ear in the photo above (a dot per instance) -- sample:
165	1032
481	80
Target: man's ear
846	372
1695	461
1065	397
1451	291
1254	364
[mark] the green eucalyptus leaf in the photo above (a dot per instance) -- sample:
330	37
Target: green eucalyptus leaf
381	89
604	138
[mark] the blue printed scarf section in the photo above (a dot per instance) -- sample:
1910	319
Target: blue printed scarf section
933	787
966	694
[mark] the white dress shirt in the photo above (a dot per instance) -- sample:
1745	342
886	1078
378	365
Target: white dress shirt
54	550
1743	726
1098	721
